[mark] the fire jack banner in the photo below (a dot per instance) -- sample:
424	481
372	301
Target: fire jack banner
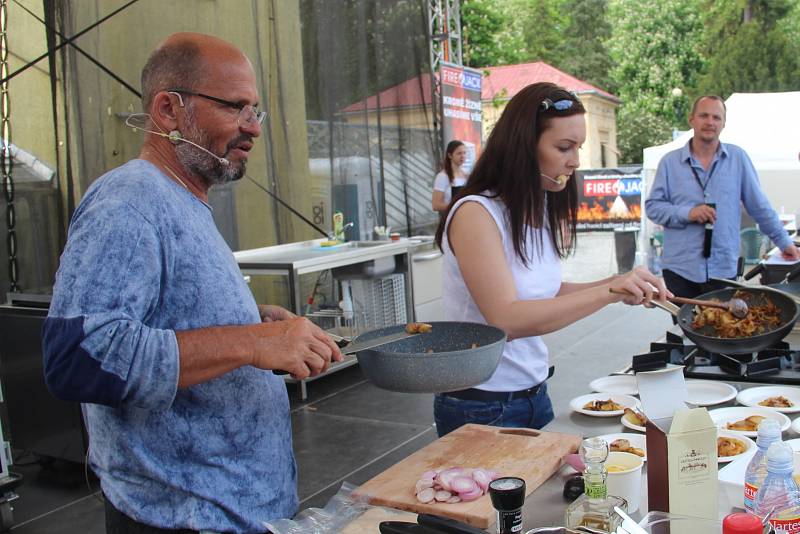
461	107
609	198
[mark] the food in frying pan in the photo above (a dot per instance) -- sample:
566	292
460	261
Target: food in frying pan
602	406
730	447
776	402
418	328
623	445
749	424
636	418
760	318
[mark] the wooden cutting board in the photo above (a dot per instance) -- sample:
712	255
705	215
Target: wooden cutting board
532	455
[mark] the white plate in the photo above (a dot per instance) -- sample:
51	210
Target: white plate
749	443
626	401
622	384
632	426
722	416
636	440
752	396
708	392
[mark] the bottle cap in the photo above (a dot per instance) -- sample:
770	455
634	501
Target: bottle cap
769	428
780	457
741	523
507	493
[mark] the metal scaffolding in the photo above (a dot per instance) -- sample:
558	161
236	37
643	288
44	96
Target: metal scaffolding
444	29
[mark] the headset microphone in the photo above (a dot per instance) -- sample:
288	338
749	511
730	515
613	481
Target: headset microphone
174	137
561	179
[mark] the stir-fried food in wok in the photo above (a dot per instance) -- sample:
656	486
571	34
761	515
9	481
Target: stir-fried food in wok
603	406
761	317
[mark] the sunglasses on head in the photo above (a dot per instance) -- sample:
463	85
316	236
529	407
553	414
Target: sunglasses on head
558	105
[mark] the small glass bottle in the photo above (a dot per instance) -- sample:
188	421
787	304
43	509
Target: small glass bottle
595	508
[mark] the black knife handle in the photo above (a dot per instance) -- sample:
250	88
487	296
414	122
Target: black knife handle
403	527
447	525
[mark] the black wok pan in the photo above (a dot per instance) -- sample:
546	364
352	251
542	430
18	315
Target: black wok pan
705	337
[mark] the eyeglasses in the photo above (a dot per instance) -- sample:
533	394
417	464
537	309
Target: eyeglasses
558	105
248	114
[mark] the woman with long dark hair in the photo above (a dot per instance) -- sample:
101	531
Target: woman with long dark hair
452	177
502	241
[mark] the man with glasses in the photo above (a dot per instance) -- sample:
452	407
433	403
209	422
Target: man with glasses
697	196
153	329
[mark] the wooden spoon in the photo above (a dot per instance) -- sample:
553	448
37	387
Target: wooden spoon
737	307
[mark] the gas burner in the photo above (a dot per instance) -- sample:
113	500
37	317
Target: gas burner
776	365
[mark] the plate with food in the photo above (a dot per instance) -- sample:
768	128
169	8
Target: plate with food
621	384
603	404
731	445
708	392
744	420
627	442
785	399
634	419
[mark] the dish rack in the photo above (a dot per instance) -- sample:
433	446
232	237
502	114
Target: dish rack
379	302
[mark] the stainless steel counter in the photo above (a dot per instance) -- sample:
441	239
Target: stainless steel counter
295	259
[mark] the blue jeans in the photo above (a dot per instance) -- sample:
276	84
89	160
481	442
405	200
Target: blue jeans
531	412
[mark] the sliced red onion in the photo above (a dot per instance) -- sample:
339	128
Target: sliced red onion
454	499
471	495
430	474
427	495
463	484
481	477
424	483
442	496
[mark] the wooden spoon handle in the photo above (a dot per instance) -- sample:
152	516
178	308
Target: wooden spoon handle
697	302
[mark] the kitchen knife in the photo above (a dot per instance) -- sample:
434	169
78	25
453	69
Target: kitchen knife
447	525
403	527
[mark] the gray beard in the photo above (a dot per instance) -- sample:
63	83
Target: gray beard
201	163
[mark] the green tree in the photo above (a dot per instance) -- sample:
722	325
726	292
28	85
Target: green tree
655	48
488	35
752	46
541	25
585	54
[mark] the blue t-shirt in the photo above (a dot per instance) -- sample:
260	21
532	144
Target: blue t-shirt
144	259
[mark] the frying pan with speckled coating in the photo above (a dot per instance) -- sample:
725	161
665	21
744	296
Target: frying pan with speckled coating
434	362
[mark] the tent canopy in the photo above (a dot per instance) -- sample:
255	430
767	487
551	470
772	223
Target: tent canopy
766	125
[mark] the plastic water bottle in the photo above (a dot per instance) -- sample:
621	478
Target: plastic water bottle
779	493
769	431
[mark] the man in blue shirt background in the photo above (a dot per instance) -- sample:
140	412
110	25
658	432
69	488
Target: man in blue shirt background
153	329
697	197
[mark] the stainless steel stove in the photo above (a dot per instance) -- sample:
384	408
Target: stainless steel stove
779	364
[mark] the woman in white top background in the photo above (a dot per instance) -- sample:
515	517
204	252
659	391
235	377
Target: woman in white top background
503	240
451	178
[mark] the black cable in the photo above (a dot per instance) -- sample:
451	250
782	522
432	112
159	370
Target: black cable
79	49
65	43
288	207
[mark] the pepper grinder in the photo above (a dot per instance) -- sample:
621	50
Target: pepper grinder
508	496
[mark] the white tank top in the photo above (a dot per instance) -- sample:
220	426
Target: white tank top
524	362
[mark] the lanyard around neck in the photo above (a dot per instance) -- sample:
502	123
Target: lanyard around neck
694	171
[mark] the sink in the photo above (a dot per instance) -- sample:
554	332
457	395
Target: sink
366	244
